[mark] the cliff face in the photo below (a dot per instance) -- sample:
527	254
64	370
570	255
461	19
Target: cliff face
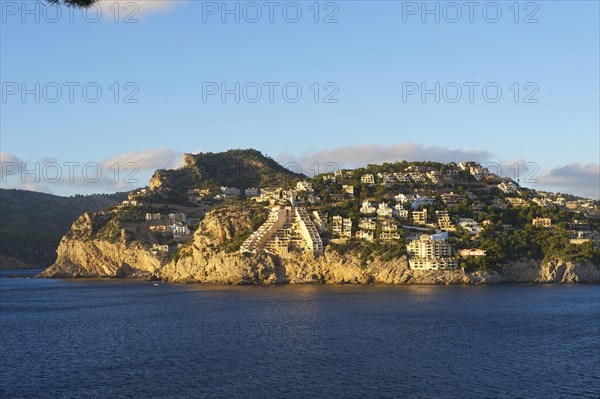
97	258
212	258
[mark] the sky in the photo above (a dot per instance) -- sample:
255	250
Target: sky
94	102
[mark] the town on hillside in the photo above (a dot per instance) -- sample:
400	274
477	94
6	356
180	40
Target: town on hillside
442	216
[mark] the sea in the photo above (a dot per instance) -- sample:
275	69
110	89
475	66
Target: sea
114	338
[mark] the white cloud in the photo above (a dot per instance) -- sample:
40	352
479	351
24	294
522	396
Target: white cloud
131	10
10	164
362	155
574	178
122	172
151	159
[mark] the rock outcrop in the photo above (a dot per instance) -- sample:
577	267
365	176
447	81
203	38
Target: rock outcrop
212	257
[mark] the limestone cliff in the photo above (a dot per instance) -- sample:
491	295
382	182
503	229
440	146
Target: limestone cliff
212	257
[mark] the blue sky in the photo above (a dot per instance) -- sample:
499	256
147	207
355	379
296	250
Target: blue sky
370	58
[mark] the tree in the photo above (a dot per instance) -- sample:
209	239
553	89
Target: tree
74	3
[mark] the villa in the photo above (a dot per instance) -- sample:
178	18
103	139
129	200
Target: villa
469	225
367	224
471	252
365	235
542	222
367	208
383	210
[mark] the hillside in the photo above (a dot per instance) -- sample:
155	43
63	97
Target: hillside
32	223
234	168
239	217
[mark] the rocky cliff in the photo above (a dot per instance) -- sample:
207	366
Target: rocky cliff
212	257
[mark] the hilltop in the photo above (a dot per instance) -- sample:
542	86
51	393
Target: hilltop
242	169
239	217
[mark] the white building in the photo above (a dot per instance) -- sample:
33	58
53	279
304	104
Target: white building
367	208
428	253
304	186
252	192
367	179
320	221
178	217
180	230
444	222
365	235
400	212
153	216
508	187
230	191
469	225
367	223
348	189
415	201
342	227
389	227
541	222
389	236
471	252
383	210
160	248
286	229
420	217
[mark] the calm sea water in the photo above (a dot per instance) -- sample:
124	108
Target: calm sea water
120	338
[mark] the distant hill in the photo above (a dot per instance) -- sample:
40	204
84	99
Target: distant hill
32	223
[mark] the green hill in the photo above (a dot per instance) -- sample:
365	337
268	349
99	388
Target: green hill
32	223
234	168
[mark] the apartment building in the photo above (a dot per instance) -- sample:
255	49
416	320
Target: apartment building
177	217
444	222
420	217
367	179
287	229
153	216
429	253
